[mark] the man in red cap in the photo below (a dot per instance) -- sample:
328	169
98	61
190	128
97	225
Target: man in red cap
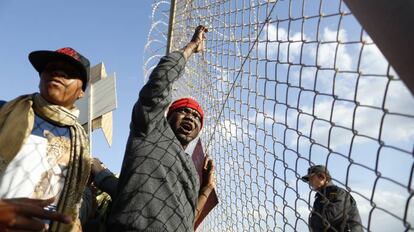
185	117
44	151
159	189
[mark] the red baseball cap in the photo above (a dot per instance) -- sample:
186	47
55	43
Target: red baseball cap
186	102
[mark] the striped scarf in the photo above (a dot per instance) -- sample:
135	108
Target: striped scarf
16	124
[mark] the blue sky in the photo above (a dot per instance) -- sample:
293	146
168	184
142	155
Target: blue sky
104	31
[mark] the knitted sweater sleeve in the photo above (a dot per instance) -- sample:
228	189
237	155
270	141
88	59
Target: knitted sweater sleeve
155	96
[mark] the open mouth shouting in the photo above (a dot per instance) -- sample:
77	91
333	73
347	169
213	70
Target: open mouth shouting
186	127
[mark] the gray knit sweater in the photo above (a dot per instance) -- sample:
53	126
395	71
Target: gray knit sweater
158	186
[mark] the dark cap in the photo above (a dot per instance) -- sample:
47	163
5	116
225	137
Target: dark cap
316	169
40	59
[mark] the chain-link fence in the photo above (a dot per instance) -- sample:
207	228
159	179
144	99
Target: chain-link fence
285	85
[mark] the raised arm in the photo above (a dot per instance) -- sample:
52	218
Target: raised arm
103	178
197	42
155	96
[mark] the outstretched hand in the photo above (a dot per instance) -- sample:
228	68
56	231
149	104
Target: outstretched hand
25	214
197	42
199	38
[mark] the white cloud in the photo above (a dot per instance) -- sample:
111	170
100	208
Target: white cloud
370	91
228	129
398	129
280	45
342	115
295	47
366	121
308	76
399	98
373	61
328	55
392	201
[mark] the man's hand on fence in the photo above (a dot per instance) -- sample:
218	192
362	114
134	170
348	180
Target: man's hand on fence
208	173
197	42
199	38
208	187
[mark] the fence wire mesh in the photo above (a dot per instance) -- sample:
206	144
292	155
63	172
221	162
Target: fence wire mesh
285	85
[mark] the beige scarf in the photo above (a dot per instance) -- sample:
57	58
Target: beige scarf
16	124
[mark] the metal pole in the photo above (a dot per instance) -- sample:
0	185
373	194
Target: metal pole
90	110
170	26
390	23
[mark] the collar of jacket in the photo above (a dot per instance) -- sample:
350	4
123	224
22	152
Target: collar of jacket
329	187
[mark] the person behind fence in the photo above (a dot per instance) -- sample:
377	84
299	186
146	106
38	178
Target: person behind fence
44	151
334	209
158	188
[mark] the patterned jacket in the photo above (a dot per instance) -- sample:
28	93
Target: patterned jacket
158	185
334	209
